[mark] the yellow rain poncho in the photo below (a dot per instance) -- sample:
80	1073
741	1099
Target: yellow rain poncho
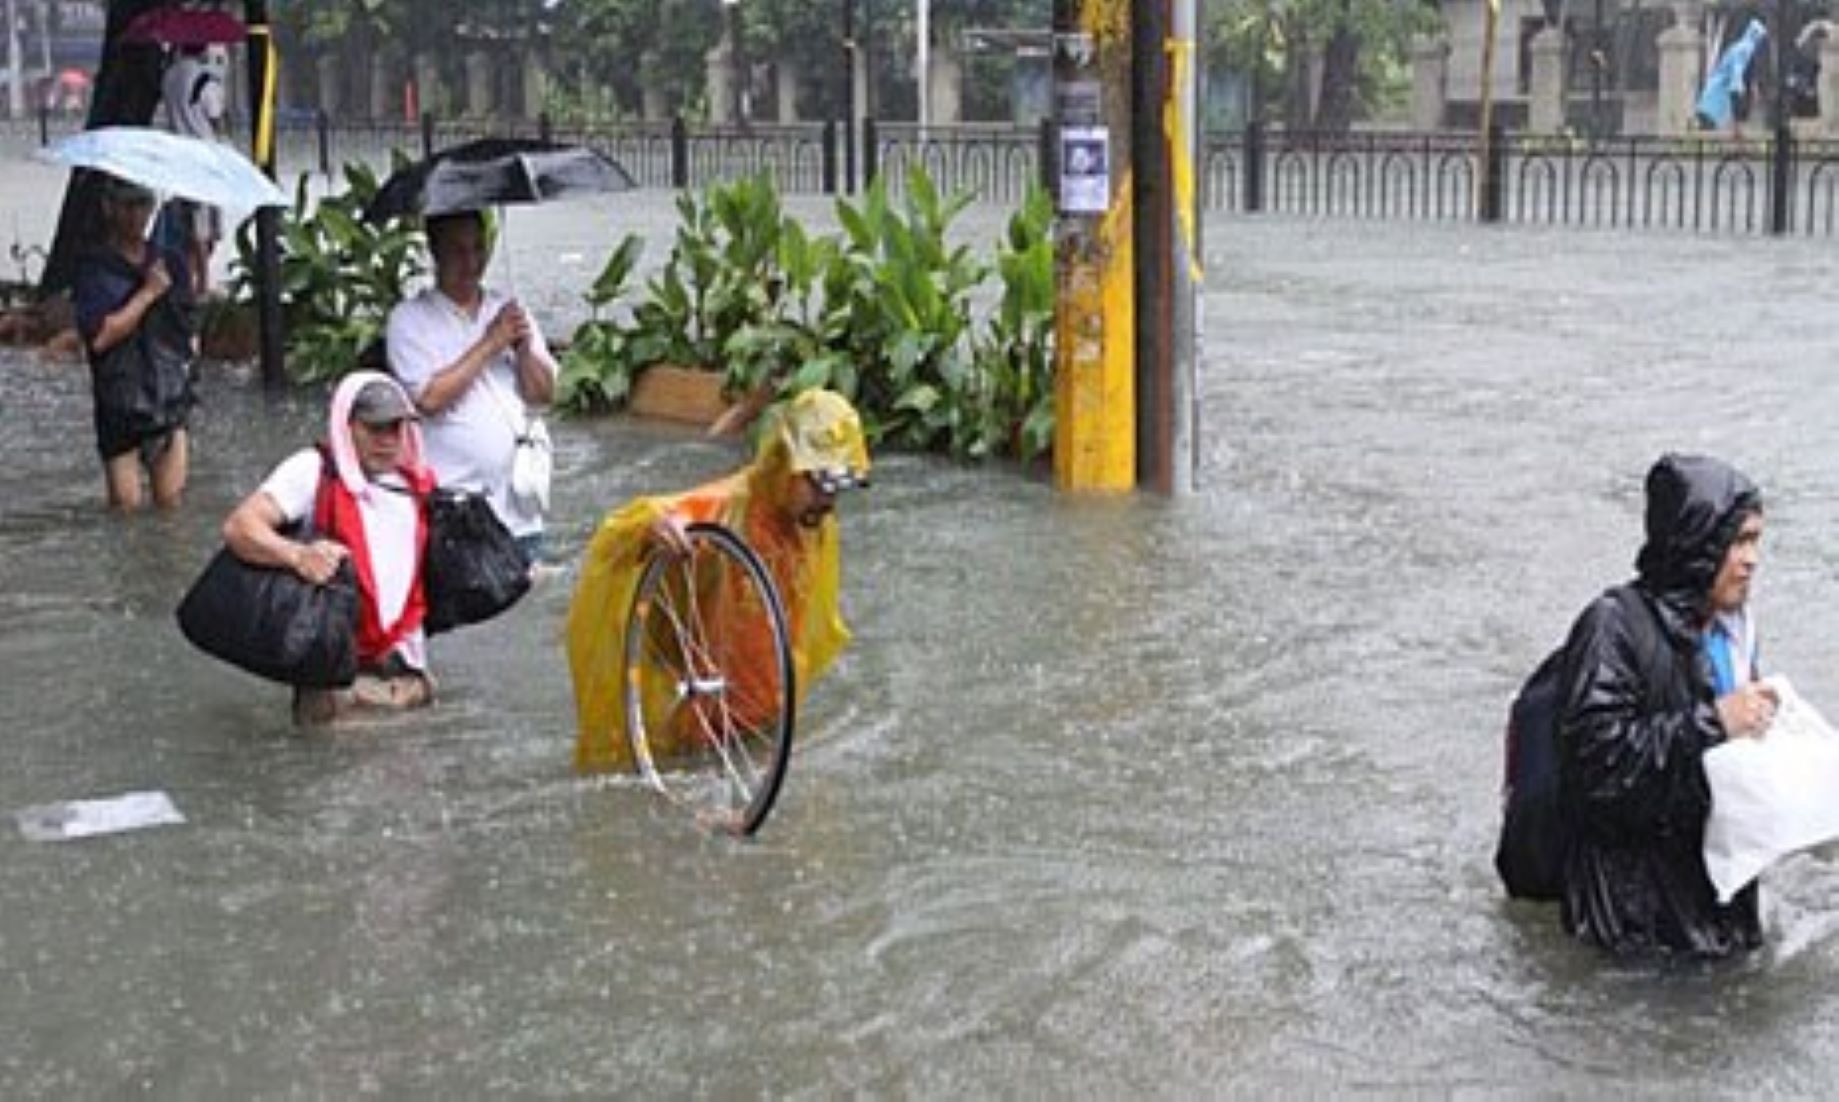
817	431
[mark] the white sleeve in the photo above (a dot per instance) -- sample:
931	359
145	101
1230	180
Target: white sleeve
295	484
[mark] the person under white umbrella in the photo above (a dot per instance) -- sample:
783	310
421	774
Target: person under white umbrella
133	302
137	318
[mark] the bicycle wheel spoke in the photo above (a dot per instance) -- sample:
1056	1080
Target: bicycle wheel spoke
709	681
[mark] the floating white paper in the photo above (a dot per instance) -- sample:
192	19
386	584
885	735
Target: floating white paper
69	819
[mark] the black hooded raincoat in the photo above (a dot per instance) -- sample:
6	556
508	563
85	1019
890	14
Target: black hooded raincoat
1638	712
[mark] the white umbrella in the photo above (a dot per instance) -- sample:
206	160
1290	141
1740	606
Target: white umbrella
186	168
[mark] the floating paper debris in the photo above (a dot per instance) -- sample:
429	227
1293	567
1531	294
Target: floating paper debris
69	819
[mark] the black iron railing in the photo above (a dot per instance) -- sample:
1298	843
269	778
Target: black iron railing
1707	185
1703	185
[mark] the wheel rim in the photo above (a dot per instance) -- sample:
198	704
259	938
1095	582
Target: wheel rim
709	681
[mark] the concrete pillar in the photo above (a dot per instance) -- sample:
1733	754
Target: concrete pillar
1429	81
653	104
429	89
1681	47
719	82
860	88
385	87
718	86
946	88
1829	84
331	71
1546	111
480	102
785	91
536	84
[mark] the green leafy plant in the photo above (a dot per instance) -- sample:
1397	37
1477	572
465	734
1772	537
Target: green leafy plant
598	366
340	276
908	294
1015	351
886	313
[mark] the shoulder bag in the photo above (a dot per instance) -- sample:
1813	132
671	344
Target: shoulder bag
472	569
272	622
531	462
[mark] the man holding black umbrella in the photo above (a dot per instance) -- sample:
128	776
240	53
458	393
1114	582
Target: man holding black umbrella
474	361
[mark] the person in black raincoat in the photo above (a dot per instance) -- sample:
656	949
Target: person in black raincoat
1652	679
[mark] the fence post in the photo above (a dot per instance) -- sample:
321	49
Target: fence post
427	134
1253	183
323	124
871	151
1047	162
1494	169
1781	175
829	140
679	154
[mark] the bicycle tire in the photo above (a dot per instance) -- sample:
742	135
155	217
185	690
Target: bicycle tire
715	739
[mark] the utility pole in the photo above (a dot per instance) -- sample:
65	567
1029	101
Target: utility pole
850	125
1094	261
923	64
1127	244
1781	153
1165	139
15	65
264	62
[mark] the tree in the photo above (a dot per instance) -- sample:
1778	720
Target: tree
127	91
1274	42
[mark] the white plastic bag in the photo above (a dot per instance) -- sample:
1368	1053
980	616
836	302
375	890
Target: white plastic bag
530	465
1771	796
69	819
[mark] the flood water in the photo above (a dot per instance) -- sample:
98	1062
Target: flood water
1110	798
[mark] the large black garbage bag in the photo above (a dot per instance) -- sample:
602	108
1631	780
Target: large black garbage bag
274	623
472	570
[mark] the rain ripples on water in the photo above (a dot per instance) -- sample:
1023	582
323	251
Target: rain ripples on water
1109	798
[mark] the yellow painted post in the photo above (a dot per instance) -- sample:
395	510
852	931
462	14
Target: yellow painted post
1095	275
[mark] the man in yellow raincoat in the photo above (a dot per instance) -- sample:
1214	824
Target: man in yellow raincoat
782	504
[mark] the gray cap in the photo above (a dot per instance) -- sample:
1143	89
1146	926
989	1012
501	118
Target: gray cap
381	403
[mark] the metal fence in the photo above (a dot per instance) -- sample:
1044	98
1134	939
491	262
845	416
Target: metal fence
1704	185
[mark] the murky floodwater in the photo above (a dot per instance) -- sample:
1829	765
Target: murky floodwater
1110	798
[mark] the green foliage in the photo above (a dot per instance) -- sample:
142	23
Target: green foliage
883	313
1015	356
1272	39
598	366
340	275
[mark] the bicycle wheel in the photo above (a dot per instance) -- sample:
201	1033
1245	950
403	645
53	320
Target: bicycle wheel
709	680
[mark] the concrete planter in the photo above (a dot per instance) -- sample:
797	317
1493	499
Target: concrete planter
229	332
673	393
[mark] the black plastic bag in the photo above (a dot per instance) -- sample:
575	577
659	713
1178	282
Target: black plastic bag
274	623
145	379
473	569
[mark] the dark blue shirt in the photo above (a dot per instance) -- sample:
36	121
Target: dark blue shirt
105	280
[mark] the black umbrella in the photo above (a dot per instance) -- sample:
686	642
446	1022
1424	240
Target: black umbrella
493	172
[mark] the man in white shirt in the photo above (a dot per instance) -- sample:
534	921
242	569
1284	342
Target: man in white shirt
474	361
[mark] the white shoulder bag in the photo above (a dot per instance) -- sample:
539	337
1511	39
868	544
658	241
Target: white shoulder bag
531	462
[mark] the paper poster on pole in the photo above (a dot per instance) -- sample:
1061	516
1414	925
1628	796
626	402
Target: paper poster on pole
1085	169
